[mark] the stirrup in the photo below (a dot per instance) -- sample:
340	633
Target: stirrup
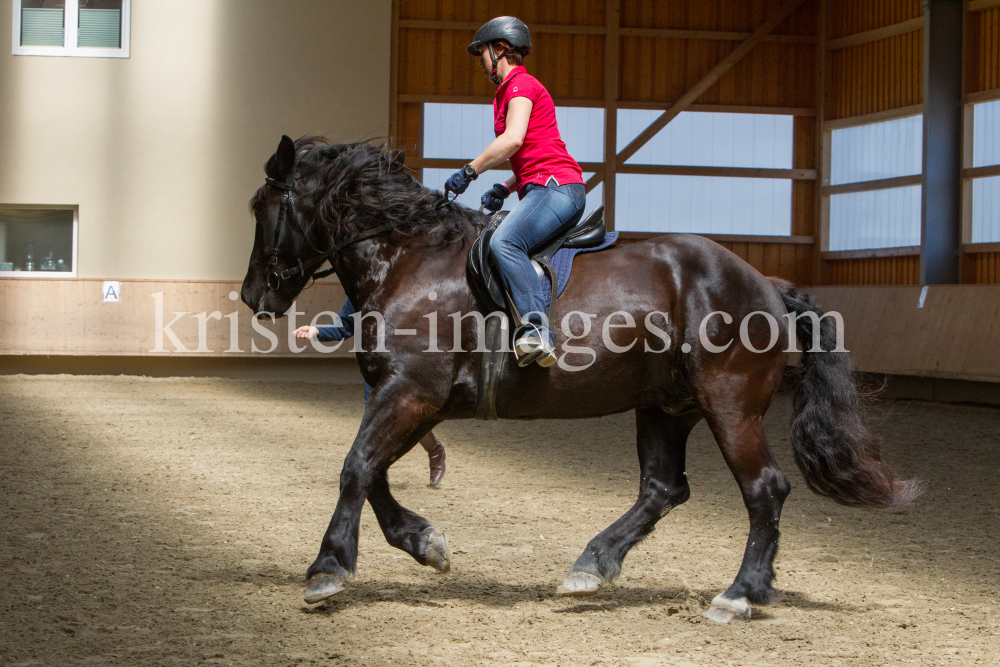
531	345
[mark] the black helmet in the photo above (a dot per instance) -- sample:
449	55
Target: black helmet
506	28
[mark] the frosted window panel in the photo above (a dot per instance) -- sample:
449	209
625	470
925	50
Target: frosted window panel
875	219
703	139
986	134
986	210
463	131
457	131
703	205
877	150
100	23
42	22
582	130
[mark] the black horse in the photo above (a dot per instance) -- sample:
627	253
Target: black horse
400	250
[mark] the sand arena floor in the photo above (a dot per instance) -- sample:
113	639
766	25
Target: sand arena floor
170	522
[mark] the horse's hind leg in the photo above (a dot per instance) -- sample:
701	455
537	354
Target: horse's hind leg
661	441
764	488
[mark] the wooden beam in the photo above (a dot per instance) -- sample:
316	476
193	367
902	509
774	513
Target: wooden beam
884	32
394	76
981	172
729	172
877	117
871	253
983	95
709	79
879	184
472	26
457	163
724	238
977	248
712	35
980	5
612	17
820	209
413	98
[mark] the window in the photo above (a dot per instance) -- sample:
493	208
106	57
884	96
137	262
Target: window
94	28
37	243
986	190
463	131
706	204
865	212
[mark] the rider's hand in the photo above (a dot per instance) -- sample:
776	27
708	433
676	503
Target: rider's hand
457	183
492	199
306	331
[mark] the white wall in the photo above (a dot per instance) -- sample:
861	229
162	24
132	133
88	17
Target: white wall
162	151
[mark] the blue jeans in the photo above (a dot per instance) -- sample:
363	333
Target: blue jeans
541	214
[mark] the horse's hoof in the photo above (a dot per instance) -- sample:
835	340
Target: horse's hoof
436	550
323	586
724	610
579	585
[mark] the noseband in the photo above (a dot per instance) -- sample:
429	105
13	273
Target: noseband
287	207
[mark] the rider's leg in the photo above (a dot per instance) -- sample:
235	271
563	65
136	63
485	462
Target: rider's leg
538	217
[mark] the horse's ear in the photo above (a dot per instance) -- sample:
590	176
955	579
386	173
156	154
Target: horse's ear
284	157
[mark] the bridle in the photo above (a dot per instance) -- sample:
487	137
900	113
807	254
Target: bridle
275	277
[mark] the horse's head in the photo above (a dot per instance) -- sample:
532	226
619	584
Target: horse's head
284	243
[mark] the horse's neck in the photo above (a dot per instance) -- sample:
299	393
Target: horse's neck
373	268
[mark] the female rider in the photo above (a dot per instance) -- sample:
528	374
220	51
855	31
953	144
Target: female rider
549	182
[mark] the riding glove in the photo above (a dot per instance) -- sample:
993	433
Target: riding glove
492	199
457	183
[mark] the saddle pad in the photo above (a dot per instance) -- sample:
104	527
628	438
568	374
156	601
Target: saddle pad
562	262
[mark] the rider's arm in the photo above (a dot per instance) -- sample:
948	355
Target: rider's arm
518	113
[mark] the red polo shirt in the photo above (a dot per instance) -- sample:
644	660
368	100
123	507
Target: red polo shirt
543	154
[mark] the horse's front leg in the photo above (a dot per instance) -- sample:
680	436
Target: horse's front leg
394	421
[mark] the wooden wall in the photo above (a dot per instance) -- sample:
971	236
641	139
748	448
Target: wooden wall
877	75
952	336
874	65
903	270
69	317
982	75
665	48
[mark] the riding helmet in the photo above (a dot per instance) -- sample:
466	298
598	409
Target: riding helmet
506	28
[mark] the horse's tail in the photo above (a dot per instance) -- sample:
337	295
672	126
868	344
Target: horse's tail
837	454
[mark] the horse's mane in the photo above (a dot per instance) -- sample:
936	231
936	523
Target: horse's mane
355	187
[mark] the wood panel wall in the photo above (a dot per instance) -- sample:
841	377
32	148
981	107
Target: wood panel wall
655	69
876	76
661	69
34	314
981	268
903	270
982	75
952	336
982	50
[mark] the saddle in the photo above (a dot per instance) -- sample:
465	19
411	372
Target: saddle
485	277
486	283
